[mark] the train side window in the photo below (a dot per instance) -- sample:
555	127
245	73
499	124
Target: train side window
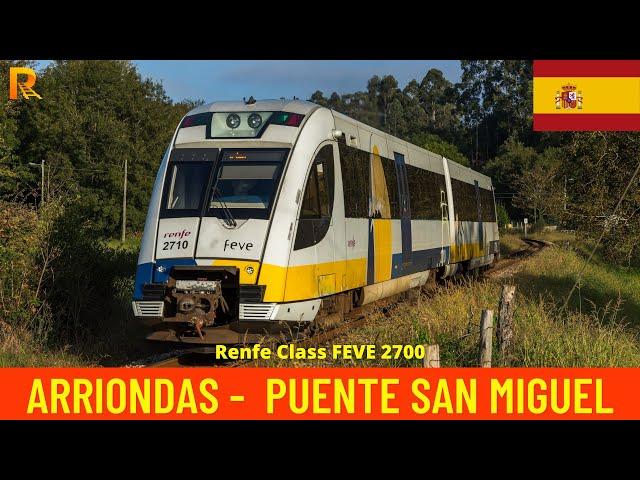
317	201
391	177
311	197
425	189
464	200
324	171
488	210
356	184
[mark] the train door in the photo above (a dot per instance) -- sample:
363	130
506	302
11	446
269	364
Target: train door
451	211
314	247
380	256
444	222
328	277
479	206
405	210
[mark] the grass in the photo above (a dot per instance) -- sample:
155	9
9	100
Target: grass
131	244
35	358
19	348
510	242
601	286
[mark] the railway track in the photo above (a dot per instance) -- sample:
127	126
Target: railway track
510	263
203	357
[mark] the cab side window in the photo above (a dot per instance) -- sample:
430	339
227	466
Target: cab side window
317	201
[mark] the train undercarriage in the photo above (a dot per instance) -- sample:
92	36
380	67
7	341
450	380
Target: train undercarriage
201	304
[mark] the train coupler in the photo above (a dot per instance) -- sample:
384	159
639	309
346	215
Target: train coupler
197	302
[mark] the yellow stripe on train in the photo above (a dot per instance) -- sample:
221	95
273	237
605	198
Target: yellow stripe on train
466	251
302	282
382	244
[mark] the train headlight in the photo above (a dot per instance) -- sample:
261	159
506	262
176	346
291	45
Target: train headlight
233	121
254	120
238	124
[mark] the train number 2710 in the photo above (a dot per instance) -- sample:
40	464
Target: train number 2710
178	245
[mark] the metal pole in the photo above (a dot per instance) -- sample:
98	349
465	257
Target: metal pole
124	203
42	182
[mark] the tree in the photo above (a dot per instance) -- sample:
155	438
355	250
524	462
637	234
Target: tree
395	121
502	216
495	100
93	116
437	97
598	166
415	118
381	93
435	144
318	97
14	177
513	158
539	187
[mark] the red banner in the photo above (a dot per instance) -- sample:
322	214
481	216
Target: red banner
319	393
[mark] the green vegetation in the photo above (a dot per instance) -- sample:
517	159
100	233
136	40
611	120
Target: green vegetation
604	287
510	242
95	114
65	297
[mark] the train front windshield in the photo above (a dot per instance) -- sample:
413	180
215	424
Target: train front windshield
246	182
187	183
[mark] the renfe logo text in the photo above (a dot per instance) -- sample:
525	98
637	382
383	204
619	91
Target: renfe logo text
182	234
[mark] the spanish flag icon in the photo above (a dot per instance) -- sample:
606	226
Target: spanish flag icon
586	95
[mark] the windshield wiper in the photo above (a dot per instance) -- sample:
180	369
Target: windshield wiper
229	220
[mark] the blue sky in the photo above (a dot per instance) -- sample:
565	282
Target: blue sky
211	80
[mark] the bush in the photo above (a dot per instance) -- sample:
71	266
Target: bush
93	281
502	216
60	286
538	226
25	260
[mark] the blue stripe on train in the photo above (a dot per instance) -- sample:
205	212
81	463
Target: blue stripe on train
167	263
144	273
149	273
371	255
421	260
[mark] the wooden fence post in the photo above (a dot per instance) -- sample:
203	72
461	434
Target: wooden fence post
432	356
505	323
486	338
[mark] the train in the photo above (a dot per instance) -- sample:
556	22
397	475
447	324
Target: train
281	214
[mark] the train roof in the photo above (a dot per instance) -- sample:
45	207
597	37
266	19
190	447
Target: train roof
456	170
306	108
281	105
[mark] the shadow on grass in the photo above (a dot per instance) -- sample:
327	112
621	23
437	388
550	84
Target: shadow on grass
584	298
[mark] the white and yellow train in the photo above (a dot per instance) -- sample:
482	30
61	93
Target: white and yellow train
266	212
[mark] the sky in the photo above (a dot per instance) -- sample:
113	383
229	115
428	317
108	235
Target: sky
212	80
